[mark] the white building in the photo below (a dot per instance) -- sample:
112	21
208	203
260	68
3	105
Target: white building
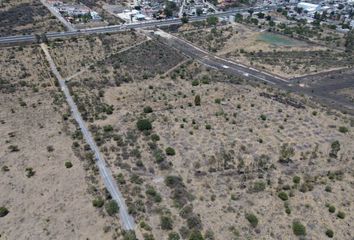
308	7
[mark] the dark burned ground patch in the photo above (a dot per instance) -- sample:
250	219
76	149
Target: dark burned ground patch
16	19
146	60
334	88
136	64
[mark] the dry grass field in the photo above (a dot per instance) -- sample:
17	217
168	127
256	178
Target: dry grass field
47	179
271	52
78	54
199	152
26	17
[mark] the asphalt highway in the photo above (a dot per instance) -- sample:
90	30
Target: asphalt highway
219	63
124	27
319	93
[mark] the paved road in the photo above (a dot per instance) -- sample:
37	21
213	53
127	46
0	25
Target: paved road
58	16
127	220
219	63
125	27
320	93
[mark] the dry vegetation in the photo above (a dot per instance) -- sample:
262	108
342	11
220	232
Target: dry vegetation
278	54
198	152
26	17
78	54
48	176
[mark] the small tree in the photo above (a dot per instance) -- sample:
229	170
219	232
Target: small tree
296	179
30	172
173	236
283	196
98	202
144	124
166	223
335	148
3	211
68	164
148	109
155	137
212	20
196	235
252	219
184	19
112	207
170	151
286	152
197	100
341	215
329	233
299	229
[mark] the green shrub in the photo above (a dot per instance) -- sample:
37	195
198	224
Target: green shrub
209	235
194	222
166	223
343	129
98	202
108	128
329	233
159	156
148	109
287	208
263	117
129	235
112	207
283	196
155	137
5	168
335	148
68	164
13	148
195	82
145	226
208	126
296	179
30	172
151	192
3	211
341	215
120	178
144	124
197	100
218	101
331	209
173	236
252	219
196	235
299	229
286	152
173	181
148	236
170	151
258	186
328	189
